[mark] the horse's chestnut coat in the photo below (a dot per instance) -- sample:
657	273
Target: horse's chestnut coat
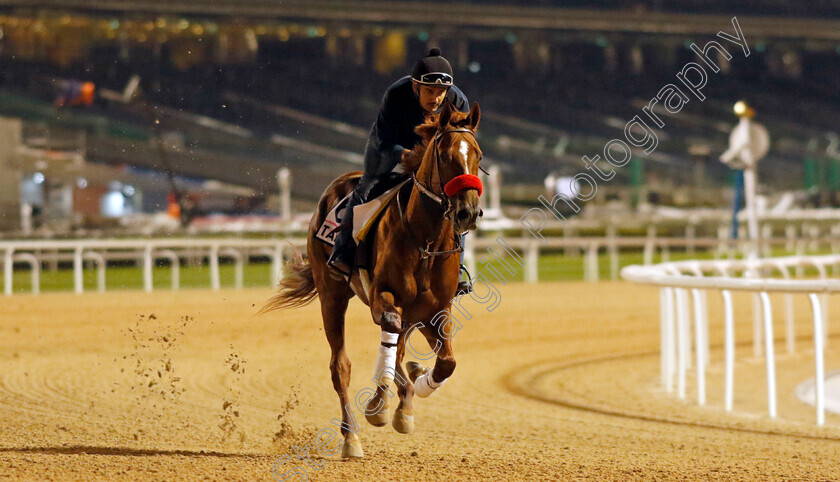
464	181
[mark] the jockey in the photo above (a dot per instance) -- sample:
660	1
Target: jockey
405	105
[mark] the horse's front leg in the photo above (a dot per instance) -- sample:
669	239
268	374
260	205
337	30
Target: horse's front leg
385	314
426	381
403	421
389	317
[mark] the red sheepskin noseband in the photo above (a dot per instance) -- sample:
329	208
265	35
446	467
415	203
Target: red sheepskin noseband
464	181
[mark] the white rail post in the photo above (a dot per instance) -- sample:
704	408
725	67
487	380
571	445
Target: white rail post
148	264
823	274
751	272
532	262
757	326
175	266
683	343
669	339
790	329
36	274
78	271
819	375
771	358
590	270
215	283
699	346
612	247
99	261
35	271
664	347
100	274
238	259
277	264
239	274
729	351
650	245
702	313
8	270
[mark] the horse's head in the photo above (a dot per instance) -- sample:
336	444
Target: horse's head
449	167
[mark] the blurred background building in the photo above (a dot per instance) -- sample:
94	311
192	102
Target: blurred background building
205	100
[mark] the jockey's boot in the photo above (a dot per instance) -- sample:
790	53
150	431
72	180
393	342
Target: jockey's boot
340	262
342	257
465	287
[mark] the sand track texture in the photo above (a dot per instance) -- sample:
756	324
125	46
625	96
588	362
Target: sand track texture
559	382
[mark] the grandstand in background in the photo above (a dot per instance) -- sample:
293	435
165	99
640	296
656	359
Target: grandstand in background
298	83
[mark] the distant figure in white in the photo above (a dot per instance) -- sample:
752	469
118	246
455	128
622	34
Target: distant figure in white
748	143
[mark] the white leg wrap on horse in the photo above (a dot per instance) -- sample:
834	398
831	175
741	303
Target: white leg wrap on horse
425	385
386	363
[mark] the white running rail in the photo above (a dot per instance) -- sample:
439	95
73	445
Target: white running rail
145	252
676	279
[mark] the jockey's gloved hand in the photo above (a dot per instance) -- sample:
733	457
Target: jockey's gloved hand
399	169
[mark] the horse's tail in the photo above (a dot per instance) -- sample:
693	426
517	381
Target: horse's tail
297	287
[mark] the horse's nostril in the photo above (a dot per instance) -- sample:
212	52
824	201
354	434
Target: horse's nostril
463	214
480	212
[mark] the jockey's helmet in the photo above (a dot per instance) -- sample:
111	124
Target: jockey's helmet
433	70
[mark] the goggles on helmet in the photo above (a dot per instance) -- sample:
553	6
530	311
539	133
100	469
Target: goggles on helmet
436	78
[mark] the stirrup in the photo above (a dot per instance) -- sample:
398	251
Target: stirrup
465	287
338	269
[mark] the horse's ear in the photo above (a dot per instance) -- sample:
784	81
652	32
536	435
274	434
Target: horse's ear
445	114
475	116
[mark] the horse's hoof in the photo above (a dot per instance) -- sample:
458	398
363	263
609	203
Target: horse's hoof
403	421
415	370
352	448
380	418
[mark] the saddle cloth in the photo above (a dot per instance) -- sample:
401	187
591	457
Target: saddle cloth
364	216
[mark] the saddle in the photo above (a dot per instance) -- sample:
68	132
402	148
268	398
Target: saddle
365	216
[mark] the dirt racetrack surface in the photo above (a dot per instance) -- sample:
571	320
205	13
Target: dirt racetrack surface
559	382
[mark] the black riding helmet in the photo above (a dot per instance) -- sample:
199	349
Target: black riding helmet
433	70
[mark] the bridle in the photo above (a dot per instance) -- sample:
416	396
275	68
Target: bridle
443	199
450	188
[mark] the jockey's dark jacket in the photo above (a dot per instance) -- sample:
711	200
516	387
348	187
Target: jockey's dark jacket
393	130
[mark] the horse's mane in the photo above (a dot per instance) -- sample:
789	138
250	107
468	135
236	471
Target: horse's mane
427	131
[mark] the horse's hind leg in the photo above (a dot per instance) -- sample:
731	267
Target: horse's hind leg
333	307
404	414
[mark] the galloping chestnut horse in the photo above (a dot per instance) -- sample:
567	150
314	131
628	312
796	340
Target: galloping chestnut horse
414	270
